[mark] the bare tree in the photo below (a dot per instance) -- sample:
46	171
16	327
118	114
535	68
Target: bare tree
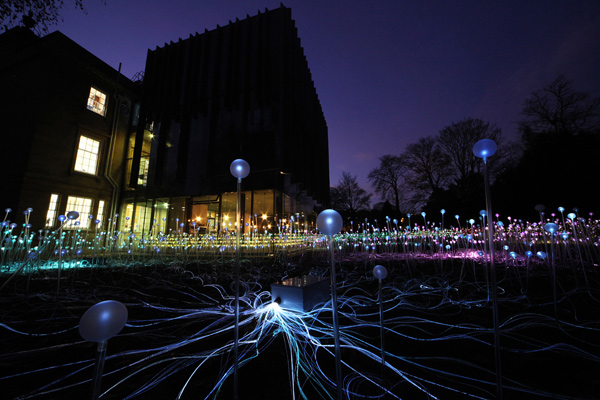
427	169
560	134
387	178
40	14
457	140
347	197
559	109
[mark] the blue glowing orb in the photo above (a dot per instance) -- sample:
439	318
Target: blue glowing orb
239	168
103	321
329	222
484	148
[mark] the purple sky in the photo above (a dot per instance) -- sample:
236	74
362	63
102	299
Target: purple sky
387	71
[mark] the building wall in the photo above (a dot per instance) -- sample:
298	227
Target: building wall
243	90
46	83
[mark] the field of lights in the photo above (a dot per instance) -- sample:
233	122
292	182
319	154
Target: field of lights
436	311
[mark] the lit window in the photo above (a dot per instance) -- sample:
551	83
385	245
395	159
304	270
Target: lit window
87	155
97	102
143	175
52	209
83	206
100	216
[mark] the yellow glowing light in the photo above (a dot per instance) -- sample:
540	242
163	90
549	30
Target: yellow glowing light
264	216
226	217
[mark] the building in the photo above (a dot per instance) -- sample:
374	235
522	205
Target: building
243	90
66	118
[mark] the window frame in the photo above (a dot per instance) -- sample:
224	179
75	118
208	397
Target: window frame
85	157
92	104
52	210
84	220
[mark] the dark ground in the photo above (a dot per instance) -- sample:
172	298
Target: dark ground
438	320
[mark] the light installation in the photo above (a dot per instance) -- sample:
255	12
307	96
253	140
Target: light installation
177	288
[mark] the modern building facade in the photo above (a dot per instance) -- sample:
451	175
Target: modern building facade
243	90
66	118
80	136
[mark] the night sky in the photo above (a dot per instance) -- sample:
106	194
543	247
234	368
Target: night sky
386	71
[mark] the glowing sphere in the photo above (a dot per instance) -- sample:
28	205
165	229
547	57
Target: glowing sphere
561	209
571	215
61	218
443	211
239	168
528	253
564	235
103	321
541	255
7	210
423	213
551	227
484	148
456	216
380	272
483	213
513	254
72	215
329	222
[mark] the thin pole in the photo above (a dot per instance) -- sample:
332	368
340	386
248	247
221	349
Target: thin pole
336	330
497	352
237	288
98	368
381	325
553	266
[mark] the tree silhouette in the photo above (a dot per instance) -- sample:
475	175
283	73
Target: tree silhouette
464	174
427	170
348	198
387	179
560	132
38	14
560	110
456	142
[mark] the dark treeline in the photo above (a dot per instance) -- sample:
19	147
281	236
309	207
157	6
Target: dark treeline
555	162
